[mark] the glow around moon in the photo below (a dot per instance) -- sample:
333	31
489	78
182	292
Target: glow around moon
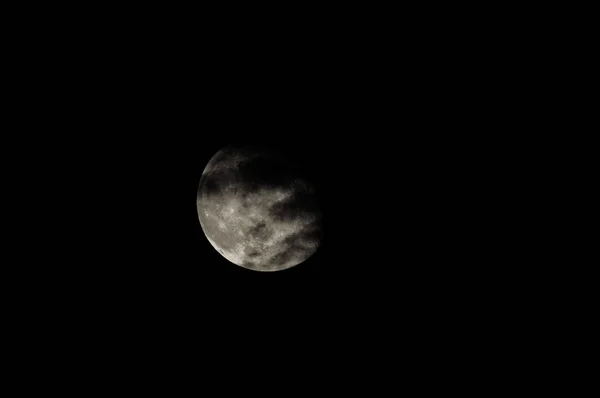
257	211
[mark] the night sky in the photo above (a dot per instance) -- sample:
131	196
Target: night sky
402	213
393	224
401	170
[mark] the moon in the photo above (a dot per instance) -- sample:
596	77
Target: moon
258	209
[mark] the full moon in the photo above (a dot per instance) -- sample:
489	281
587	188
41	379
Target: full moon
258	209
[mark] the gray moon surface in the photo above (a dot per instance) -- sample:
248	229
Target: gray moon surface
258	210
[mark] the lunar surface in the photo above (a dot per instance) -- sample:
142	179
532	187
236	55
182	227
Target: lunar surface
258	210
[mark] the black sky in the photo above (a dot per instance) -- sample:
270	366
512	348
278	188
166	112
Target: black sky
391	164
392	135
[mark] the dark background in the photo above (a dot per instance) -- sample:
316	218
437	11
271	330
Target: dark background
404	206
417	125
399	132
